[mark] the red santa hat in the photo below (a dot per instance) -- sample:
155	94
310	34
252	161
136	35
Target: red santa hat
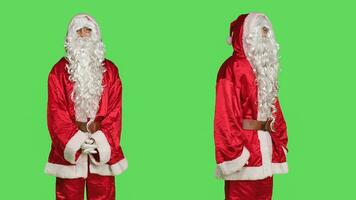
233	27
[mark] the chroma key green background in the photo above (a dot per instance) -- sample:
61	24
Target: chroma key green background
168	54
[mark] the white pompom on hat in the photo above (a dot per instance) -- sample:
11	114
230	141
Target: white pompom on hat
229	40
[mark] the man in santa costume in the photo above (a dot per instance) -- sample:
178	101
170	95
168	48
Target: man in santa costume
84	117
249	129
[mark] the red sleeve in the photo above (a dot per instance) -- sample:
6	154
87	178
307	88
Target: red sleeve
64	133
230	151
281	126
111	123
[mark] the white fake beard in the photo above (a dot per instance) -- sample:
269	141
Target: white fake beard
263	56
86	71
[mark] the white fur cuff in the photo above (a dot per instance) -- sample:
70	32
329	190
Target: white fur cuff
103	146
73	146
229	167
110	170
119	167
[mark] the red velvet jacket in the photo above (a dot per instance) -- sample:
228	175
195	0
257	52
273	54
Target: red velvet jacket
244	154
65	159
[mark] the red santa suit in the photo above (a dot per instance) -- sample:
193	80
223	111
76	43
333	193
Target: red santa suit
66	161
246	159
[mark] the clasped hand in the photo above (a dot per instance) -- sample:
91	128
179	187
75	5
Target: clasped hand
89	146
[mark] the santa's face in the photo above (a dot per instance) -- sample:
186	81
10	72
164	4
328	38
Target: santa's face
84	32
264	31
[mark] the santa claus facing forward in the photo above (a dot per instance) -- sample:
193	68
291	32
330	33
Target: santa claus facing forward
249	129
84	117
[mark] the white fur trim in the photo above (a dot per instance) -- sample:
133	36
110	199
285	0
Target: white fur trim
109	170
80	170
256	173
69	171
280	168
231	166
103	146
73	145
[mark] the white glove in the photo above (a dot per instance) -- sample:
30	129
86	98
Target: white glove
89	146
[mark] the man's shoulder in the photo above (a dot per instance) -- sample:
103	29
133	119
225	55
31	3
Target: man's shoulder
233	69
59	67
110	66
226	71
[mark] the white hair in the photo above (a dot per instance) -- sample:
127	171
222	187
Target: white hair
262	53
85	56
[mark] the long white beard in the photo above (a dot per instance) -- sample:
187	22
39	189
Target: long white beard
263	56
86	71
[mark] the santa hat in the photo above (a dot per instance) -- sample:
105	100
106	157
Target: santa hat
249	22
233	26
83	20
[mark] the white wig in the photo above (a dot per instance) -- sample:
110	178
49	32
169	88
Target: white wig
262	53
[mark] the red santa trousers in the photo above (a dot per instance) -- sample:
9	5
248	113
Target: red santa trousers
249	189
97	187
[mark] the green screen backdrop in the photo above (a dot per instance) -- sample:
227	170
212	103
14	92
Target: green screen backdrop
168	54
